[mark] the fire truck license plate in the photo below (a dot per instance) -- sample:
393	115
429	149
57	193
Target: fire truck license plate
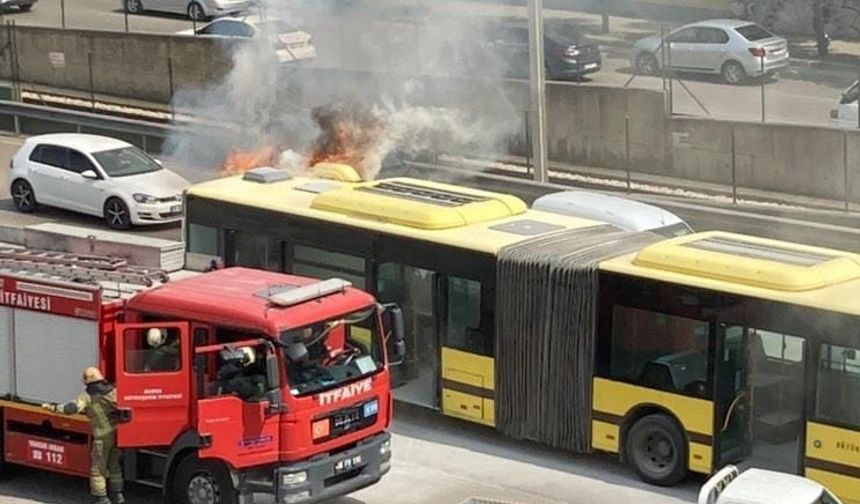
347	464
46	453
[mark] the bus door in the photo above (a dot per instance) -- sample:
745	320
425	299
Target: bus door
414	290
833	432
764	411
468	367
731	397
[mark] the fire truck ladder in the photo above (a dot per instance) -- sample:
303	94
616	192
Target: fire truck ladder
79	268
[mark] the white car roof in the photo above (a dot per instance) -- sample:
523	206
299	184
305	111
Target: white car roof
756	486
81	141
627	214
721	23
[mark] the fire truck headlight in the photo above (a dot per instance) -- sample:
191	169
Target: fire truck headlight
297	497
293	479
385	448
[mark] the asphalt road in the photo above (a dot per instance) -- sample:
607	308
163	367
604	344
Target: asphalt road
437	461
825	229
799	95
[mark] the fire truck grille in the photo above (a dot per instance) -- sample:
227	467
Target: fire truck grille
347	420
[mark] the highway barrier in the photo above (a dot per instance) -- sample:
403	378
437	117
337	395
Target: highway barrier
616	128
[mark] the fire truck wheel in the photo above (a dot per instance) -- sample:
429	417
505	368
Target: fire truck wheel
656	447
116	214
203	482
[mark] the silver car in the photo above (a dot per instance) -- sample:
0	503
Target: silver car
198	10
733	48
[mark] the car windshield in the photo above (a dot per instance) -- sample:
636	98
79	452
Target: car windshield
754	32
675	230
126	161
827	498
566	34
328	354
851	94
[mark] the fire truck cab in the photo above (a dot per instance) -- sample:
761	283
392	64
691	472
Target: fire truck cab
229	383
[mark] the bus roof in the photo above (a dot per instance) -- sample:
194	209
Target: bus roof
238	297
756	267
441	213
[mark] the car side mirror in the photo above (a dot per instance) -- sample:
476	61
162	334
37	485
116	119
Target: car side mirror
393	325
89	174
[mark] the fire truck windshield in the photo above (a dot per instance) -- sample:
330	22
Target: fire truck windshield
330	353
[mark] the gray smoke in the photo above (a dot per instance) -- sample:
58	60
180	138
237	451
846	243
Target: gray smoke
423	75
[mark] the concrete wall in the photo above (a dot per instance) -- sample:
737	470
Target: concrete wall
801	160
587	125
130	65
592	125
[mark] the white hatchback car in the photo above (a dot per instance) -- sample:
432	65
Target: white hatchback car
95	175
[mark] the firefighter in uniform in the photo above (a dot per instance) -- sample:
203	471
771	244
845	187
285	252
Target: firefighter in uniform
98	403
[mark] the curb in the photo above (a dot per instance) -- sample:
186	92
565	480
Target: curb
825	65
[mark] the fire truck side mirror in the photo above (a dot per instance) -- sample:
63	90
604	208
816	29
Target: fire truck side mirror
393	326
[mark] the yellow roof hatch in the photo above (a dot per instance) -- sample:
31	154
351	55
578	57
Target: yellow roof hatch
753	261
419	203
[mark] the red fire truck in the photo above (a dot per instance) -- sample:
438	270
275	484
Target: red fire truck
229	383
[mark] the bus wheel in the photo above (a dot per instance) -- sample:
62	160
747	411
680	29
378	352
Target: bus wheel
203	482
655	446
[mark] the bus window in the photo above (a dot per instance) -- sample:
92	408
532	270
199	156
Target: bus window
464	317
255	251
780	347
319	263
202	239
839	384
660	351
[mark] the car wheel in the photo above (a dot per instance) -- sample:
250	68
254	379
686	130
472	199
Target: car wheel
26	8
647	64
116	214
203	482
23	196
733	72
133	6
656	447
196	12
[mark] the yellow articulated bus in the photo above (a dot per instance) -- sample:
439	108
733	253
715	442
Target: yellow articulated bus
679	355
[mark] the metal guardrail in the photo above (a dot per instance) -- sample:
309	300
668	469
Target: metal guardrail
22	119
28	119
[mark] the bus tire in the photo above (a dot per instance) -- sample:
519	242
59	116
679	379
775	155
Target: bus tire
656	448
203	482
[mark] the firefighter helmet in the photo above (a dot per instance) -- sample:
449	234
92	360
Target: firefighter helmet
250	356
92	375
155	337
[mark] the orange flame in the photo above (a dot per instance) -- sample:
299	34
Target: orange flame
239	161
349	134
